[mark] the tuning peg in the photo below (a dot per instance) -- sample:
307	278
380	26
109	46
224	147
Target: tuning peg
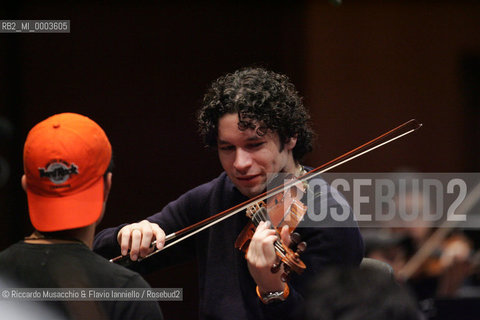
295	238
276	267
301	247
286	274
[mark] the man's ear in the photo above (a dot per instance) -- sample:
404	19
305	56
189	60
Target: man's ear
107	186
24	183
291	143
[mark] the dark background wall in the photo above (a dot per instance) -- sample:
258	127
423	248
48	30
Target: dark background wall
371	65
140	70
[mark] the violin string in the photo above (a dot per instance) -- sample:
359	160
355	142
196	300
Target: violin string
262	215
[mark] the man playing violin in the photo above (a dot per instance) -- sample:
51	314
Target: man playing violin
258	124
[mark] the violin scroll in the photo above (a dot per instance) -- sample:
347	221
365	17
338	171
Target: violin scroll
294	262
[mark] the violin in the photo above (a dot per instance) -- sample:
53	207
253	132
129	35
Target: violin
267	206
455	247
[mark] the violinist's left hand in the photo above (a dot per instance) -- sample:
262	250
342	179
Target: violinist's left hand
261	257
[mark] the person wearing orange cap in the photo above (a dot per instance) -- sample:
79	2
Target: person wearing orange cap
67	160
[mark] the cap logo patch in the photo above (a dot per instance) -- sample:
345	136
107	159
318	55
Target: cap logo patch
58	171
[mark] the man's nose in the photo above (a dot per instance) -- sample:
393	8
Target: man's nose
243	160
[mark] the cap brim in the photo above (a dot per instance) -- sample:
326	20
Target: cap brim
67	212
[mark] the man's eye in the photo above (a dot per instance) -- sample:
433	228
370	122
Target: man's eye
227	148
255	145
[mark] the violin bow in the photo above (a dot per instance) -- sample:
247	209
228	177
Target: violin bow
387	137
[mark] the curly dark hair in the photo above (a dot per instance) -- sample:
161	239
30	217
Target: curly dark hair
260	98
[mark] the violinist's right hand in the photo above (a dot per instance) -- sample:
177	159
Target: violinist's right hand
137	237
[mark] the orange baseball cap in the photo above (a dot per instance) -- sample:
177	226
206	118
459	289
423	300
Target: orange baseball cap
65	158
